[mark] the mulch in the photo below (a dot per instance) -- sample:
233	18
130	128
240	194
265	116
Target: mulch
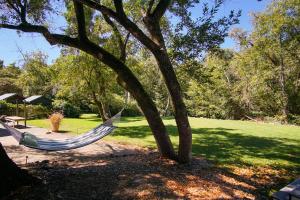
146	176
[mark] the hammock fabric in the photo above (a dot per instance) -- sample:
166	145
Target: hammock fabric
85	139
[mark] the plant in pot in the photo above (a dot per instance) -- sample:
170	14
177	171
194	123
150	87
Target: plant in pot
55	120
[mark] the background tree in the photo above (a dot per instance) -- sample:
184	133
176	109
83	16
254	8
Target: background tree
270	54
90	80
9	78
36	75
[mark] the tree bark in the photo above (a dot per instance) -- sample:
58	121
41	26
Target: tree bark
181	115
11	176
152	115
166	68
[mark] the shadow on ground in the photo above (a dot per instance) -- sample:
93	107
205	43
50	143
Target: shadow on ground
226	146
140	176
4	132
145	176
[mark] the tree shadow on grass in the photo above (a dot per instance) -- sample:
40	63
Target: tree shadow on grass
226	146
124	119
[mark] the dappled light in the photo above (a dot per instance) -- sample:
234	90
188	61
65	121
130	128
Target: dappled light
144	176
149	99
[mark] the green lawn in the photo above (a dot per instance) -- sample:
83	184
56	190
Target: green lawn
223	141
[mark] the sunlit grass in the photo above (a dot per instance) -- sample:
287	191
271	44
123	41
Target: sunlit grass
223	141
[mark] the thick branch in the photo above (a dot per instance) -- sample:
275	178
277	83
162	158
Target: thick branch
160	9
79	10
119	7
124	21
51	38
23	11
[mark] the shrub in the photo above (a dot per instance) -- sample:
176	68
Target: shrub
67	108
7	108
37	111
131	109
294	119
33	111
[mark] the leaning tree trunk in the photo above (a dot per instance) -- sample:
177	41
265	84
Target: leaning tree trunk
181	114
128	81
152	115
166	68
11	176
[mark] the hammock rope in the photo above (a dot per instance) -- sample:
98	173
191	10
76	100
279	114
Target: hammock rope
85	139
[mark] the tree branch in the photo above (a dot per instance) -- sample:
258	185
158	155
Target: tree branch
14	7
122	44
150	6
123	49
23	11
50	37
79	10
160	9
119	7
86	46
124	21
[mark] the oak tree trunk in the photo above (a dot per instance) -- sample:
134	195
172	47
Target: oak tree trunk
166	68
11	176
181	114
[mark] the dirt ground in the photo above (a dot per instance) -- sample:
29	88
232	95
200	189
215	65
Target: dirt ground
107	170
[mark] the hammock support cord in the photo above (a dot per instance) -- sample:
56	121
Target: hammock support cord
87	138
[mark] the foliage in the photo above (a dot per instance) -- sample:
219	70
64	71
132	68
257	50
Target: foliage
260	79
36	75
37	111
91	82
193	37
7	108
33	111
152	80
67	109
269	56
8	79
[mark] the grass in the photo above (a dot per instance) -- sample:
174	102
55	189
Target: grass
227	142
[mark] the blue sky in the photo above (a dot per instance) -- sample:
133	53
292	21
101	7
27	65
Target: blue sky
11	44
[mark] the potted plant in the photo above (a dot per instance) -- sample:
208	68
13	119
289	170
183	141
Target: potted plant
55	120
